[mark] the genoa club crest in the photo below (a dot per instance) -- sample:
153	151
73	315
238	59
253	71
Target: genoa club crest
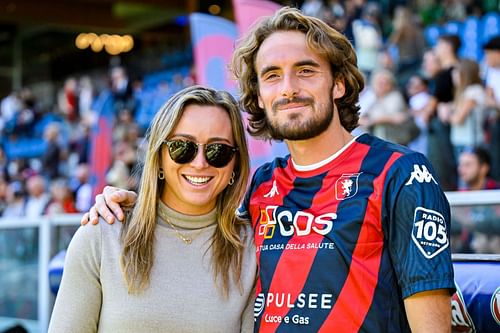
346	186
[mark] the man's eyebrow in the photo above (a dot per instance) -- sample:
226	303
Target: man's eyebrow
297	64
307	63
268	69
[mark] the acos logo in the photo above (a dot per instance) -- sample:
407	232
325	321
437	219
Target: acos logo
289	223
495	305
461	321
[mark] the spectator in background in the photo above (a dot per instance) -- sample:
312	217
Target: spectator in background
3	194
86	96
68	100
492	82
51	159
473	168
23	121
431	67
353	11
15	199
80	142
4	162
61	198
123	126
389	110
122	91
440	148
408	41
37	198
417	90
313	8
9	108
81	188
120	173
368	38
467	113
492	60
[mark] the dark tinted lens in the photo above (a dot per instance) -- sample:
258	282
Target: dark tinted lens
182	151
218	154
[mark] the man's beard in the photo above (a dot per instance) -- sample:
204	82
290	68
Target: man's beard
294	130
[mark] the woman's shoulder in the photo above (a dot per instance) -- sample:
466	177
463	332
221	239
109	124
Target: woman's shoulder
473	89
90	233
247	235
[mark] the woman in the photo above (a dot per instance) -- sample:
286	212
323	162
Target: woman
387	115
467	115
182	262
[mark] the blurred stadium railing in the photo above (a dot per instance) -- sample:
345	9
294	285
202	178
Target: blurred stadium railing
27	246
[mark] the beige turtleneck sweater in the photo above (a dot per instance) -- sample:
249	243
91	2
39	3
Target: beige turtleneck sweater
182	295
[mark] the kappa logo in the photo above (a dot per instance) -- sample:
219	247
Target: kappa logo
274	191
420	174
346	186
258	305
495	305
461	320
429	232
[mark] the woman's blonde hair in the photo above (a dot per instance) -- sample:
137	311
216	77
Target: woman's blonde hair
321	38
138	231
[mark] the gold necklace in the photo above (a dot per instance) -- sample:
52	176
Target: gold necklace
184	238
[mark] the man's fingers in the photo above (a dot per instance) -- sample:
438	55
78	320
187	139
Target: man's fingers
85	219
101	209
117	198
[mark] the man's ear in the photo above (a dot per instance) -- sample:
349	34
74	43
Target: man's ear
338	90
485	169
261	104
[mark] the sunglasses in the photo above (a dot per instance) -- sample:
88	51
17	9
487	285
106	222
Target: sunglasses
217	155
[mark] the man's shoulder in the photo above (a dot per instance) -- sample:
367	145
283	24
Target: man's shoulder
381	145
270	166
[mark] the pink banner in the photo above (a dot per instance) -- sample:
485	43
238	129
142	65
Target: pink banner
247	12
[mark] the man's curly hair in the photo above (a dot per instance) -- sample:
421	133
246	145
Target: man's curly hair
321	38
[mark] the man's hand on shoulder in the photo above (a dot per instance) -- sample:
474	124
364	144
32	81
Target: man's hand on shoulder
109	205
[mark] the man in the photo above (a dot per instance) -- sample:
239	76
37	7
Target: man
440	149
473	168
492	60
417	90
492	81
350	233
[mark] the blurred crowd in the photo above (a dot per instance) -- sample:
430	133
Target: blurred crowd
418	93
423	93
45	153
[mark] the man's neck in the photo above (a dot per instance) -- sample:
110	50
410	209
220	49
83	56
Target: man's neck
314	150
449	62
478	185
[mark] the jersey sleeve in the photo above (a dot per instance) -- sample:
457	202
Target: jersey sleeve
78	303
243	212
417	224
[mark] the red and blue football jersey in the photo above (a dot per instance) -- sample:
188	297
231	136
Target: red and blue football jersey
341	244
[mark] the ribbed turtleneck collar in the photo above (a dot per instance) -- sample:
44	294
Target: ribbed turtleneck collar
185	221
